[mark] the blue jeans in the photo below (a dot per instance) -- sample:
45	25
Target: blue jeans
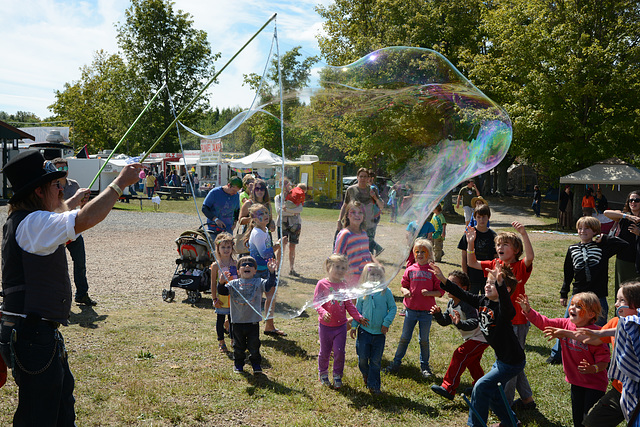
41	370
556	351
487	395
369	348
423	318
76	250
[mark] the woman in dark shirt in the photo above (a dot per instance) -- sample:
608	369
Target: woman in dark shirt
628	230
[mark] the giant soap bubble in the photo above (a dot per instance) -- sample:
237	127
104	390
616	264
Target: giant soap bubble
421	116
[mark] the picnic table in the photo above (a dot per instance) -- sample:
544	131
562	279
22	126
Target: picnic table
173	193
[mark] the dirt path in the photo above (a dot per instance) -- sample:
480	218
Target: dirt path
131	255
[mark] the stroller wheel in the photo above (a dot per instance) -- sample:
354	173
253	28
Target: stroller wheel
193	297
168	295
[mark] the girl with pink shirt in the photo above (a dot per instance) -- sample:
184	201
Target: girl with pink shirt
585	366
332	315
419	289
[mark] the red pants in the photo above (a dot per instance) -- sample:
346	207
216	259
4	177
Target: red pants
467	356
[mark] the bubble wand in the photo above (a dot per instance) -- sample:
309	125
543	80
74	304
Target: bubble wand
125	135
175	120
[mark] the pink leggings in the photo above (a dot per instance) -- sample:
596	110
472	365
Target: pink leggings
332	338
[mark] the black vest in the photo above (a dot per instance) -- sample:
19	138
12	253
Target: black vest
34	284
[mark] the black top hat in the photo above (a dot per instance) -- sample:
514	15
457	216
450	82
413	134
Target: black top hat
26	172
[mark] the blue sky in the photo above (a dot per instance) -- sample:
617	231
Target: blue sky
46	42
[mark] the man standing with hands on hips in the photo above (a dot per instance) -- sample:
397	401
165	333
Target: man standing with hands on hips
36	286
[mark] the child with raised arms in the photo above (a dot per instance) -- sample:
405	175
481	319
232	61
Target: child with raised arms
224	263
469	353
584	365
419	287
245	296
496	312
261	249
380	308
509	247
332	316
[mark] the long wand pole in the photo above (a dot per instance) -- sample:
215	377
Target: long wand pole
150	150
125	134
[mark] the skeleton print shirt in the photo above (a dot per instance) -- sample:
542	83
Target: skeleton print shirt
587	264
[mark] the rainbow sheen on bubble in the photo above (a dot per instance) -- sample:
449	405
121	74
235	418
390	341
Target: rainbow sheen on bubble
425	118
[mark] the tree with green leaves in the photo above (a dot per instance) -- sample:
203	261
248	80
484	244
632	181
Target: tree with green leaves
100	103
265	128
162	45
567	72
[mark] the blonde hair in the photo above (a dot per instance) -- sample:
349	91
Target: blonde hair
590	303
256	207
424	243
335	259
513	239
368	268
591	222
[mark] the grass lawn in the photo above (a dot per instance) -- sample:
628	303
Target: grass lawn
159	364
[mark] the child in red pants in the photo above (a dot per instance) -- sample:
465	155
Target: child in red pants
468	355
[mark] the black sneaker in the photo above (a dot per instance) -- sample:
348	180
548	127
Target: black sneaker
257	369
519	405
442	392
86	300
553	361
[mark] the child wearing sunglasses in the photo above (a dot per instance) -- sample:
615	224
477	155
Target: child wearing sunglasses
245	298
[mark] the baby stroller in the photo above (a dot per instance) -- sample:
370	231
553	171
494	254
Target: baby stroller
192	268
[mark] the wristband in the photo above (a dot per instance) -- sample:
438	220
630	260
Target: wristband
472	251
115	188
624	215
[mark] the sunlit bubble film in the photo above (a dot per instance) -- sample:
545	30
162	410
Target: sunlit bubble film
425	119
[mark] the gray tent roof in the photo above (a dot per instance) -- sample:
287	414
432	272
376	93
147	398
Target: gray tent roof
611	171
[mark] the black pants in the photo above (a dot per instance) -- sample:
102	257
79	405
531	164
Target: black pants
246	336
220	318
35	350
582	399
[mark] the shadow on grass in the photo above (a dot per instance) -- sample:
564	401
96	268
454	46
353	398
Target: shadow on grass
542	350
391	403
261	381
288	347
529	417
87	317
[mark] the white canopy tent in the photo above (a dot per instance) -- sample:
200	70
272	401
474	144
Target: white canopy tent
262	158
608	172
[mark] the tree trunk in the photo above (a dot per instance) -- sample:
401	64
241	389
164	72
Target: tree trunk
448	203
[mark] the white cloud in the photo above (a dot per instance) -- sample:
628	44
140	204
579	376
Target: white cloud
48	45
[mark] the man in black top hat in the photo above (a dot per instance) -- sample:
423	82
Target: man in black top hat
36	287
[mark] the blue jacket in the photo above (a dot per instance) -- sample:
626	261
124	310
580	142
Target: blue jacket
380	308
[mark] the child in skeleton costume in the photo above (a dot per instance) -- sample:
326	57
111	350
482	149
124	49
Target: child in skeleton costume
586	263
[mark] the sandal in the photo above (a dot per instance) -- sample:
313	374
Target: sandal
222	347
275	333
294	273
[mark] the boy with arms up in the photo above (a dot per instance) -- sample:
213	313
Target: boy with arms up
509	247
495	313
245	303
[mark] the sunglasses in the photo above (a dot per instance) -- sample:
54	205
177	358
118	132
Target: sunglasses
634	200
63	168
260	188
248	264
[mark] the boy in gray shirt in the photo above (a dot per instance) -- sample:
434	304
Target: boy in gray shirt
245	298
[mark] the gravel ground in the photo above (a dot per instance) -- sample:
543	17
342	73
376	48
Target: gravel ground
131	255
